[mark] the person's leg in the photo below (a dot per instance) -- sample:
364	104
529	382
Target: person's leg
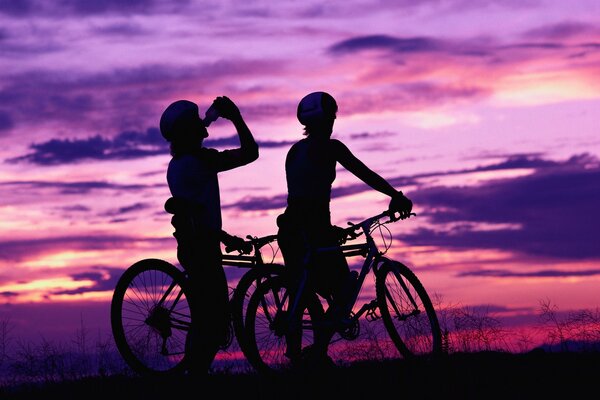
292	250
209	301
329	276
215	310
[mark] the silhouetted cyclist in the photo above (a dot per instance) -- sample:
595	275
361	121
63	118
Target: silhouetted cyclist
310	171
193	182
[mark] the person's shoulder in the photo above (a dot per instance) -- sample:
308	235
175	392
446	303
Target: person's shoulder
300	142
294	147
337	145
207	152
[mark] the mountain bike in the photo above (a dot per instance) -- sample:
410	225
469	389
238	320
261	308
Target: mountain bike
400	301
151	314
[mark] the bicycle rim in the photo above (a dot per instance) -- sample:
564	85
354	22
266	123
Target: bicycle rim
150	317
407	311
243	291
269	348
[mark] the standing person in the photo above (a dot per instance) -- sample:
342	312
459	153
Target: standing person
193	182
310	169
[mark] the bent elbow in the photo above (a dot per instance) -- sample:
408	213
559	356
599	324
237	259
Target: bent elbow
252	153
249	154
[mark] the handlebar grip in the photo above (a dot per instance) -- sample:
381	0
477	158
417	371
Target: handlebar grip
245	249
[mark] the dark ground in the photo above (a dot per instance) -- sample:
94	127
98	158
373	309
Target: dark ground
536	375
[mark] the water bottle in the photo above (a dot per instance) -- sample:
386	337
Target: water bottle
211	115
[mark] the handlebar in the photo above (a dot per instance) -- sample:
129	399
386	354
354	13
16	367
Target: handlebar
253	243
352	232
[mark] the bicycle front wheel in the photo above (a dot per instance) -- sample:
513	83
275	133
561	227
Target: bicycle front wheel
151	316
242	293
407	311
271	344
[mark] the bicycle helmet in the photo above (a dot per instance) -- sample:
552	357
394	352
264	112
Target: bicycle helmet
176	116
315	107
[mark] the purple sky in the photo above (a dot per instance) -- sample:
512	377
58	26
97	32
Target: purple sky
484	113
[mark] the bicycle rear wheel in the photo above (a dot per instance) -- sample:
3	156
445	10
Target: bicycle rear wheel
151	316
269	347
407	311
242	293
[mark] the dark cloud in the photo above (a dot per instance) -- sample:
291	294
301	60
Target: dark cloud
553	212
103	278
561	30
6	121
385	42
528	160
127	209
18	250
488	48
105	6
16	8
546	273
24	8
75	208
533	45
126	145
428	93
370	135
70	188
42	96
259	203
514	161
120	29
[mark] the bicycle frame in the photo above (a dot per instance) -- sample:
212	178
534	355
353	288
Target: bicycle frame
286	315
249	260
369	250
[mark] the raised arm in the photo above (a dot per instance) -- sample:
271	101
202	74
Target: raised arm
344	156
248	150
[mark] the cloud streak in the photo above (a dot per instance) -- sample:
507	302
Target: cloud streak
552	212
103	279
546	273
27	249
555	210
127	145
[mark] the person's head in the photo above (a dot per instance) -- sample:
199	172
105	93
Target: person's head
181	125
317	112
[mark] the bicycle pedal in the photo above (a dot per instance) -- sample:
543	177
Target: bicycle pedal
372	315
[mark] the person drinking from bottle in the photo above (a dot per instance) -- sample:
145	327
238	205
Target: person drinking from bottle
192	176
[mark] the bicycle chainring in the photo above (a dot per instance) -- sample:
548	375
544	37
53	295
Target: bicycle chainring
350	330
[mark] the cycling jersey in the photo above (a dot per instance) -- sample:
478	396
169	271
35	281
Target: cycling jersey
193	177
310	172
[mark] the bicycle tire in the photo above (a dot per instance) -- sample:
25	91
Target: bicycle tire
243	292
266	345
149	334
407	312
